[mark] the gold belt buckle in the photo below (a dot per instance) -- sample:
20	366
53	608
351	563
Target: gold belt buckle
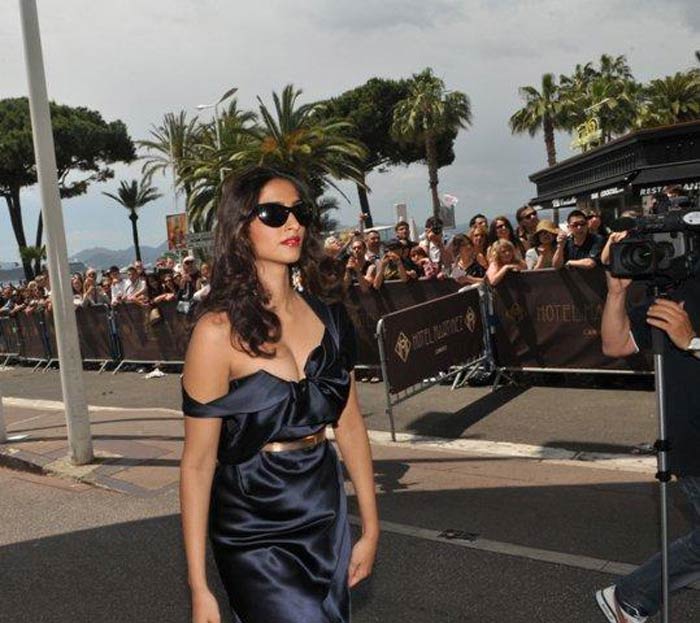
295	444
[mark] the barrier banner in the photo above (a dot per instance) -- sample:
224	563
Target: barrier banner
94	334
423	339
552	319
32	337
50	332
9	339
366	308
143	339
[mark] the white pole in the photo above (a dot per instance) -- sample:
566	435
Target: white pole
218	136
3	429
77	418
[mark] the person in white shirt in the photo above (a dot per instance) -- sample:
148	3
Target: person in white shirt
118	285
135	288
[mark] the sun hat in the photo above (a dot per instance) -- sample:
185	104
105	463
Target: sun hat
548	226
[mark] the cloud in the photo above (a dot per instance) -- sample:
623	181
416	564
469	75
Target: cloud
382	15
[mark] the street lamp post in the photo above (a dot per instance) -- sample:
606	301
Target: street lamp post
71	368
217	124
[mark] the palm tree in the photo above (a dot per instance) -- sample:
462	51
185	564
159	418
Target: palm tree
172	143
542	110
303	141
669	100
427	113
33	254
203	172
132	196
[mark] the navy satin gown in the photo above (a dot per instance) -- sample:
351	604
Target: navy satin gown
278	520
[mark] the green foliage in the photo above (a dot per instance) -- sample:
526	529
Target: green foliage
370	110
84	143
299	139
430	112
611	94
134	195
669	100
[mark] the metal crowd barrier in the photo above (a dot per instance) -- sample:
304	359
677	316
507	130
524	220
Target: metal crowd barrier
445	334
126	334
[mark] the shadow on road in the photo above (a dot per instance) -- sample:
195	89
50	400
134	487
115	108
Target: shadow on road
454	424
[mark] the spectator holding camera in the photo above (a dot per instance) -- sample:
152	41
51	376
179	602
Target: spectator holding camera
580	248
541	254
503	259
434	244
637	596
391	266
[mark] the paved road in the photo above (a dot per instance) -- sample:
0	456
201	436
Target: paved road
86	555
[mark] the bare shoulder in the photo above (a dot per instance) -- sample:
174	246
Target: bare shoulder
208	360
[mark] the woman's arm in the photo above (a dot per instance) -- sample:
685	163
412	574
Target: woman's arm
351	436
495	275
205	377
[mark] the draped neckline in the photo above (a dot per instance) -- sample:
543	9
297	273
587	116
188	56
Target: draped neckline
241	380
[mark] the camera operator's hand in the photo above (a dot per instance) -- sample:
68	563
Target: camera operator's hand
615	284
671	317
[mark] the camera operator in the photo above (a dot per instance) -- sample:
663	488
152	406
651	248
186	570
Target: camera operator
638	595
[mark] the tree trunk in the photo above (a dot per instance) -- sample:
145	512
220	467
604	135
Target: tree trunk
431	155
15	209
133	217
364	205
549	141
39	236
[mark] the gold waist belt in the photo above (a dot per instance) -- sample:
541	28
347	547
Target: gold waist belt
296	444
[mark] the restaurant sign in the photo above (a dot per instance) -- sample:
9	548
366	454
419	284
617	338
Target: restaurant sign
564	202
608	192
687	187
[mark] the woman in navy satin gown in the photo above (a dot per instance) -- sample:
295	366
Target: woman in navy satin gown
268	368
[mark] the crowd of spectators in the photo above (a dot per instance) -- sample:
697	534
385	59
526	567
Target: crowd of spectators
184	282
485	252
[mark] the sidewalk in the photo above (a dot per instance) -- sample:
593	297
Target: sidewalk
137	450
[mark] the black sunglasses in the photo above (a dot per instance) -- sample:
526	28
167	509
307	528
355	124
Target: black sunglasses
276	214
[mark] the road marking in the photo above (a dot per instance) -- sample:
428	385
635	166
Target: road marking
57	405
511	549
559	456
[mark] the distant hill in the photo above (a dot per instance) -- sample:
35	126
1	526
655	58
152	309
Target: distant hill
100	257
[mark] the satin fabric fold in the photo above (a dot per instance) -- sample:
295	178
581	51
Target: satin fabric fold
278	521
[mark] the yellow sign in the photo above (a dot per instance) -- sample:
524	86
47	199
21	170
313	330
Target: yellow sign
586	134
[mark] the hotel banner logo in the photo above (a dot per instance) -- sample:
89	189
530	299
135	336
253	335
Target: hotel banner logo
421	340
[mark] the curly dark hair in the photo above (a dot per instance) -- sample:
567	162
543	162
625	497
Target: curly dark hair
235	286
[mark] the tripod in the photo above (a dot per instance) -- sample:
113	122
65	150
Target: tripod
662	447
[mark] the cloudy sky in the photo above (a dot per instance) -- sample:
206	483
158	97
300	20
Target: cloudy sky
135	61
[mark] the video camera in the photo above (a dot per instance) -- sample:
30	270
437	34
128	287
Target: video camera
663	248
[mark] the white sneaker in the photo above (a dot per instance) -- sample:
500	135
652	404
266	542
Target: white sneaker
611	608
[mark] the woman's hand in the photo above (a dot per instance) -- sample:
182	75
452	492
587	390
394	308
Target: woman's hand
205	608
362	560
